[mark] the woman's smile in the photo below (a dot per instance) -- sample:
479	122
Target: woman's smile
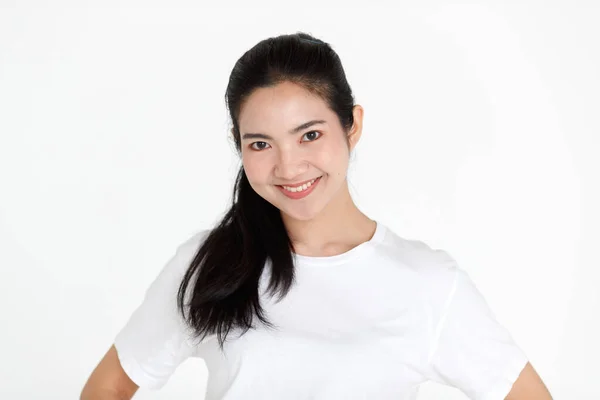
301	191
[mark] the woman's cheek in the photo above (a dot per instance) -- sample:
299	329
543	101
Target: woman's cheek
254	169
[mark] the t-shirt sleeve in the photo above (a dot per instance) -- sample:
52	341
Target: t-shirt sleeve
470	350
155	340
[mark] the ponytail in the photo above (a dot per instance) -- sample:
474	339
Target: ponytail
230	262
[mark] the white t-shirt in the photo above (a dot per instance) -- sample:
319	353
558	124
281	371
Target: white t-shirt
372	323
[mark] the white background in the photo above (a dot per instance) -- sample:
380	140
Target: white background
480	135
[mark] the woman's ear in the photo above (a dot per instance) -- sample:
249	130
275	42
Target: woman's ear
356	130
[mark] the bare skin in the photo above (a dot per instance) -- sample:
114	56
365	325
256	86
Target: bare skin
529	386
109	381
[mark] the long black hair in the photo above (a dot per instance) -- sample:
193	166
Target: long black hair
229	263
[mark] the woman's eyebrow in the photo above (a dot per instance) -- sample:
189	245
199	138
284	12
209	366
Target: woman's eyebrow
293	131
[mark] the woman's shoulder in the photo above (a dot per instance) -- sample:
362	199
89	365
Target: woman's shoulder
419	256
173	270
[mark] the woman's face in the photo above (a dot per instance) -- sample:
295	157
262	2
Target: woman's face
280	149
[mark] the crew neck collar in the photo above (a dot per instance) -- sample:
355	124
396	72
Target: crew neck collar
359	250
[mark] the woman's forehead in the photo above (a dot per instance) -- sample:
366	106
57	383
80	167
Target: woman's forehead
281	109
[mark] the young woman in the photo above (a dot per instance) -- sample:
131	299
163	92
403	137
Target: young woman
296	293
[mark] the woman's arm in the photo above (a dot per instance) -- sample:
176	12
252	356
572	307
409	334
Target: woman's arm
109	381
529	386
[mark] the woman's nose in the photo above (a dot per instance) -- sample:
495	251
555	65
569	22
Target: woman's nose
289	166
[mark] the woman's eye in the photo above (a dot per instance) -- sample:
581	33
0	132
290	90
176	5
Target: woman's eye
254	147
312	134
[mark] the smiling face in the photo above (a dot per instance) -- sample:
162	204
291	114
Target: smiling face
290	136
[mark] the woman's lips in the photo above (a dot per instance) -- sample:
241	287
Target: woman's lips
301	194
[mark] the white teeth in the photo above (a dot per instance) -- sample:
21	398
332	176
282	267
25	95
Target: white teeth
299	188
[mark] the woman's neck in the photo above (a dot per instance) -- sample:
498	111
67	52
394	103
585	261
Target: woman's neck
339	227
